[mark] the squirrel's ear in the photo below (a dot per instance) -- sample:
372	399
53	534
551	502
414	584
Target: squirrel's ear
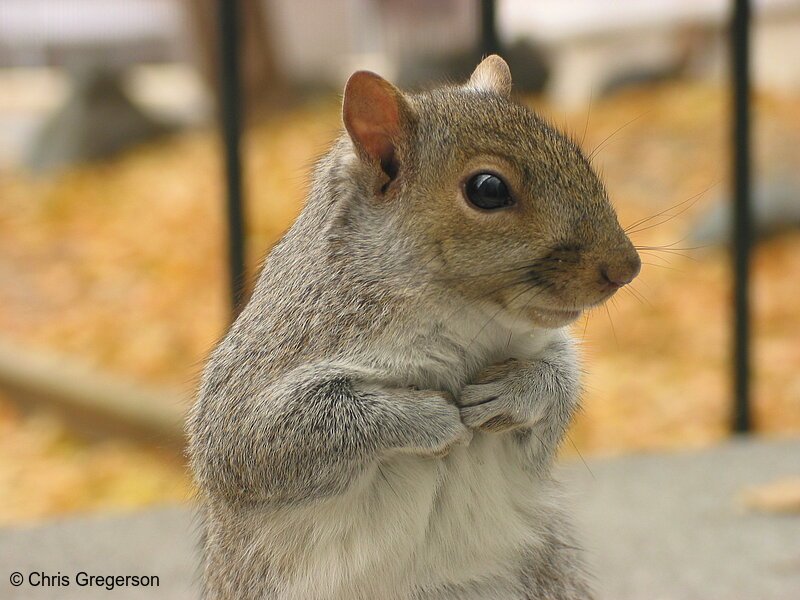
374	113
492	75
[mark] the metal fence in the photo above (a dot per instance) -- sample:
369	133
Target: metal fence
231	111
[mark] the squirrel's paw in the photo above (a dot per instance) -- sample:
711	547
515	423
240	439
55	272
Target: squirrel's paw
462	438
494	408
439	428
504	396
516	393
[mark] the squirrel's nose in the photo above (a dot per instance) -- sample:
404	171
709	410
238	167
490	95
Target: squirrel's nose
621	272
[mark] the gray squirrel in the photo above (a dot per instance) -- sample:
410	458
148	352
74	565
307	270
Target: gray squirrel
381	419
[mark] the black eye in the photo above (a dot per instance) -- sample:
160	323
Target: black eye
488	192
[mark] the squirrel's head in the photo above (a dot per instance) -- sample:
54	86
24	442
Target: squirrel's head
484	198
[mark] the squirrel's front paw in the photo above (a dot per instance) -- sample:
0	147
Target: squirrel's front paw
438	427
505	396
494	407
462	436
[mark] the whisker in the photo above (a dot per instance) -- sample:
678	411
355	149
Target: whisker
660	266
666	219
638	295
588	112
519	267
487	294
586	316
571	441
628	290
479	275
499	310
692	200
611	322
676	242
669	251
644	281
600	146
667	247
648	254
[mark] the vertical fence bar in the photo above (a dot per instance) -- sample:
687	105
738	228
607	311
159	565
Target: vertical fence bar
490	42
230	107
742	223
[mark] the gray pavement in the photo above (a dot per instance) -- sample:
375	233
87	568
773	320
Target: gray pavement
157	542
656	527
669	527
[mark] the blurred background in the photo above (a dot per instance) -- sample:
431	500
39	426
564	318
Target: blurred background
114	281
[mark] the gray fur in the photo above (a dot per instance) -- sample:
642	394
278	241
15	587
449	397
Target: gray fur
381	419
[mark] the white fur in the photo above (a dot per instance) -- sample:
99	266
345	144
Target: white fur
420	521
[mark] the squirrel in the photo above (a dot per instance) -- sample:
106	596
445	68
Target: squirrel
381	419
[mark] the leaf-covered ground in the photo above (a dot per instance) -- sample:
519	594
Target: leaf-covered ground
122	264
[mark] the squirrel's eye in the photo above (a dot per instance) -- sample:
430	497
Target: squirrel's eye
488	192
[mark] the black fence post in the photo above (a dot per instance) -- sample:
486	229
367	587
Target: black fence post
230	107
490	42
742	227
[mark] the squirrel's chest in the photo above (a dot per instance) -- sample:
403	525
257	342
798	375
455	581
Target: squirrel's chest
428	521
423	523
446	354
479	503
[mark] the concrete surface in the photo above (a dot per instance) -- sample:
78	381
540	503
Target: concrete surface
669	527
158	542
656	527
